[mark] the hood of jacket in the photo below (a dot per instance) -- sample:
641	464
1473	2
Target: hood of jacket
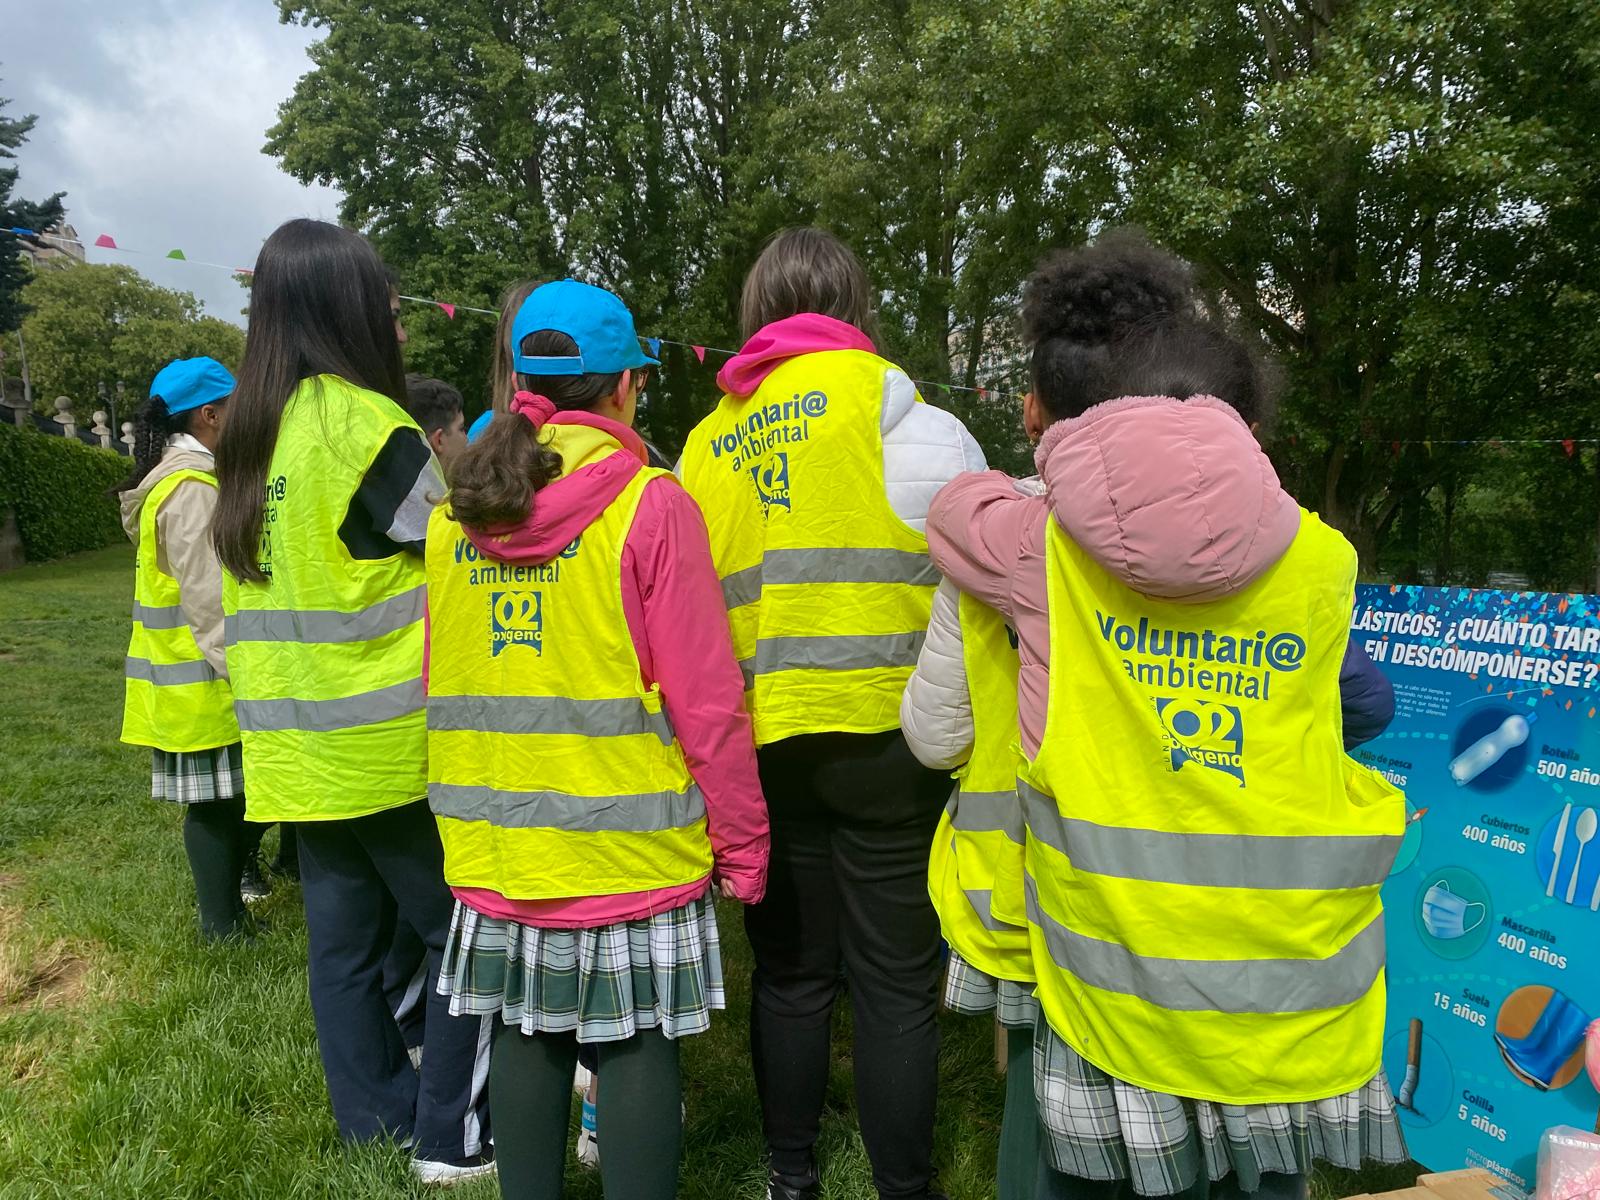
1174	498
184	456
773	345
599	457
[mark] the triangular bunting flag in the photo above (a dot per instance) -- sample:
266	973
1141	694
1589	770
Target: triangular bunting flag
24	232
655	346
449	309
1570	446
178	254
1428	446
1394	448
983	393
106	241
699	352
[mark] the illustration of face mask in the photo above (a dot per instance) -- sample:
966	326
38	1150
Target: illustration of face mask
1445	913
1544	1050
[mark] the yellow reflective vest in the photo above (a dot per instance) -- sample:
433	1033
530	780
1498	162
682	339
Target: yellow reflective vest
325	656
173	699
828	591
975	869
1203	859
554	771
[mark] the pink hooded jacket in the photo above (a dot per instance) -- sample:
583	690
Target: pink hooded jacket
673	604
1174	498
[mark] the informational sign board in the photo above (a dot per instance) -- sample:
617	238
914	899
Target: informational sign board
1493	905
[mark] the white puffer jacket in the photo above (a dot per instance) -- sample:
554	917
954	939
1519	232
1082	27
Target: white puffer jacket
924	448
936	708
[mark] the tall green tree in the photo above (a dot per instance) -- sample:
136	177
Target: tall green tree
17	213
98	324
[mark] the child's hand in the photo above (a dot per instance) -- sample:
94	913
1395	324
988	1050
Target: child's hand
725	890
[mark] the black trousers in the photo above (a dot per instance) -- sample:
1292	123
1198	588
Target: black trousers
852	823
359	878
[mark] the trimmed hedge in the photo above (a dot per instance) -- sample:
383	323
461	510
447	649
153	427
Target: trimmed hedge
57	486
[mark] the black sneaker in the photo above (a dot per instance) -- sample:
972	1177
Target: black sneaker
252	887
789	1187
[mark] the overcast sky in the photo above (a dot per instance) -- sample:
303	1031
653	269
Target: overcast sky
152	114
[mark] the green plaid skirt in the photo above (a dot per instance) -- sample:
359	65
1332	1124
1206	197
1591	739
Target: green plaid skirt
197	776
1101	1128
603	983
967	989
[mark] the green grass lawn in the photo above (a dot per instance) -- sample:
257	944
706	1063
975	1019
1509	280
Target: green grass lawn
137	1062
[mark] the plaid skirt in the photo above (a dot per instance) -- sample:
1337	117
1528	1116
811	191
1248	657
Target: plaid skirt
970	990
1098	1127
197	776
603	983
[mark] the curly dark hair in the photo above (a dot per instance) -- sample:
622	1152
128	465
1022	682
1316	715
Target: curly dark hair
1120	317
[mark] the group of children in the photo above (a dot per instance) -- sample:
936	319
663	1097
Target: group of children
532	702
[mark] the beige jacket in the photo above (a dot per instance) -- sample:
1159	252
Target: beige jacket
183	541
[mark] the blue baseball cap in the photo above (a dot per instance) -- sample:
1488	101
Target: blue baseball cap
187	383
479	425
592	317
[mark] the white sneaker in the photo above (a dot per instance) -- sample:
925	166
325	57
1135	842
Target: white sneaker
588	1150
443	1174
581	1079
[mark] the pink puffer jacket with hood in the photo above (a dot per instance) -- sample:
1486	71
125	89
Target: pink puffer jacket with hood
1174	498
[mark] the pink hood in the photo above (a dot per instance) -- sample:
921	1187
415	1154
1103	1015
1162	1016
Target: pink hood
600	457
773	345
1174	498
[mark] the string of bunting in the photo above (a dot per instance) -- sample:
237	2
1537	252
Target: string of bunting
106	242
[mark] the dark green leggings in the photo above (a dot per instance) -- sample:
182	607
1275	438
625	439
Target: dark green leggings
1019	1130
639	1119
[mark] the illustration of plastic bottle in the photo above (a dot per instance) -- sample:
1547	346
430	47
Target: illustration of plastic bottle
1490	749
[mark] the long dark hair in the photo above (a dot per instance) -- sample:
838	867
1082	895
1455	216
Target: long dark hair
493	481
1120	317
319	305
152	426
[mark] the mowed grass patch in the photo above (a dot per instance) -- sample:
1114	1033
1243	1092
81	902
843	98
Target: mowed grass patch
137	1062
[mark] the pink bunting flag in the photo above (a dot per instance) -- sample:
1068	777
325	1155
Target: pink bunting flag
449	309
699	352
983	393
106	241
1570	446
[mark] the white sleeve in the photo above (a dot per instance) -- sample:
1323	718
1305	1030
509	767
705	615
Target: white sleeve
936	707
924	448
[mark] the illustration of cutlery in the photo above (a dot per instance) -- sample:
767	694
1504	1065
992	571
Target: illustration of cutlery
1561	841
1594	900
1587	822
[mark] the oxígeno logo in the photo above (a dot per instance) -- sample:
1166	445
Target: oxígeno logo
1203	733
516	619
772	481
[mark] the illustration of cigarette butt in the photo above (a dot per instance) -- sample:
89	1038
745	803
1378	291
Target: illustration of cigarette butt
1408	1086
1417	816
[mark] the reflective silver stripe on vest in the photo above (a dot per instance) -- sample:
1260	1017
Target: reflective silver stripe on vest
325	716
833	564
742	587
326	625
649	812
847	652
988	812
1263	862
169	674
545	714
1256	985
981	901
163	616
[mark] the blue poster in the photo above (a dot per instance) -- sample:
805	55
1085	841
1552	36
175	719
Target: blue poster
1493	905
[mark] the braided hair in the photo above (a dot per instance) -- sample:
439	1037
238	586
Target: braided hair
152	426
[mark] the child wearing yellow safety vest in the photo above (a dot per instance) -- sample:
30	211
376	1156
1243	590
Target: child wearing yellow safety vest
176	696
815	472
959	713
590	759
1203	860
326	490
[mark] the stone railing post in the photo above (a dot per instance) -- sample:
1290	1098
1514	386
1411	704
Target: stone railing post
127	435
100	429
64	417
18	406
